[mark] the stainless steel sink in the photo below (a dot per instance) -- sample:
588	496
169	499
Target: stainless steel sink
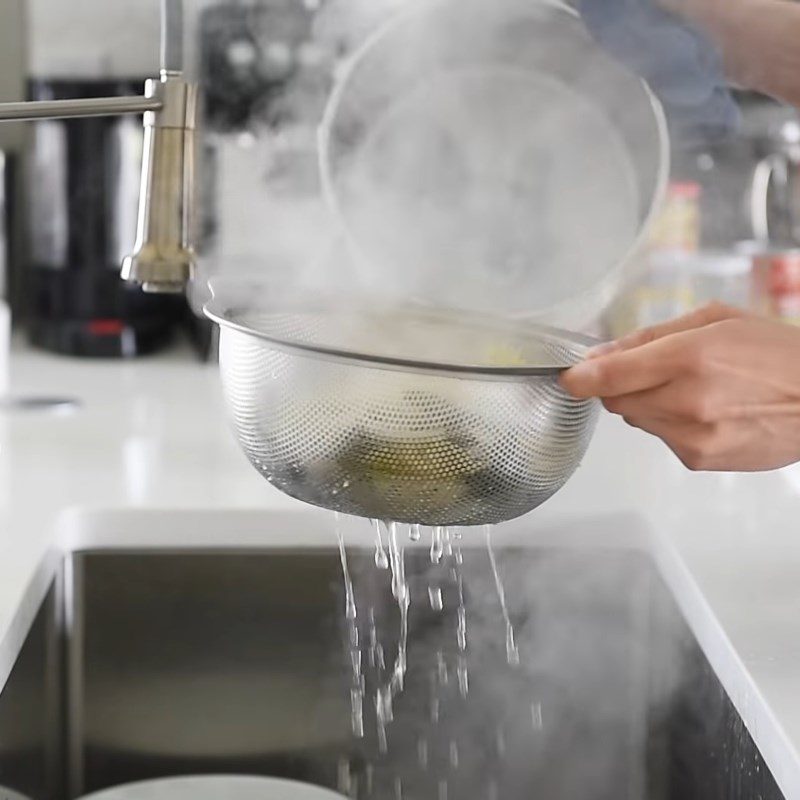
152	662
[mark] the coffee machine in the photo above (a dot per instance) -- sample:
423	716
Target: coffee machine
82	188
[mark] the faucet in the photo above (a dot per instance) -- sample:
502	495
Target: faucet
163	258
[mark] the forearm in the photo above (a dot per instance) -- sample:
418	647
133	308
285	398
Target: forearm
759	41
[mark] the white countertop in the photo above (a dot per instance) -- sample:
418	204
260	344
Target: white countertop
152	434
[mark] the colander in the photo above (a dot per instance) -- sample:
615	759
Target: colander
402	413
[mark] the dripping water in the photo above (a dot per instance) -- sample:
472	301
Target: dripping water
441	669
384	697
381	559
454	754
343	777
358	686
512	651
463	676
461	615
350	601
437	545
422	753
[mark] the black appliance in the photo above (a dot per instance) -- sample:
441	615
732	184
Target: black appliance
82	185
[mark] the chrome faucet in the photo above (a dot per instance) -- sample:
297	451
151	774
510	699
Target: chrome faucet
163	256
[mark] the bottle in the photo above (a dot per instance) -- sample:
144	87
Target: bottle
663	288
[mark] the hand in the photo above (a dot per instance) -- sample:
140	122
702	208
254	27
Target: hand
720	387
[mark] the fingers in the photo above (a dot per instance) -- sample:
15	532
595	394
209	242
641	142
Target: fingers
645	359
707	315
627	371
684	399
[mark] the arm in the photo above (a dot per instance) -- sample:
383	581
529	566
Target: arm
759	41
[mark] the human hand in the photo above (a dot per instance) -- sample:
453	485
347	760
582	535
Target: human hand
664	44
721	388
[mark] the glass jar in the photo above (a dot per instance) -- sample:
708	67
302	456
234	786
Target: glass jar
722	276
677	228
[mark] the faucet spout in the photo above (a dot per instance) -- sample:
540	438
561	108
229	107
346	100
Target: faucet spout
163	258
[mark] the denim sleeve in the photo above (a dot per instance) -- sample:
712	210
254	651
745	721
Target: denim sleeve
680	64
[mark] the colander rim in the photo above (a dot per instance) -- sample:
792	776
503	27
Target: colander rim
224	315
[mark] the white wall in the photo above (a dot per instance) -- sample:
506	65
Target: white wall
12	66
100	38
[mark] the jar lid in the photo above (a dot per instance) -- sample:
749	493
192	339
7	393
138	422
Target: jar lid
721	263
684	190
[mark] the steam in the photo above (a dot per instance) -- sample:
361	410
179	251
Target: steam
598	655
466	172
462	169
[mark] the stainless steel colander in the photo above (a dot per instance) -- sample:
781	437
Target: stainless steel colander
402	413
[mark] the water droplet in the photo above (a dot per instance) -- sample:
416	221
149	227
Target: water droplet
357	712
355	661
373	638
454	755
463	677
414	533
461	628
437	545
512	651
442	790
343	780
536	716
435	597
422	753
396	559
500	742
398	789
461	617
441	669
381	559
350	600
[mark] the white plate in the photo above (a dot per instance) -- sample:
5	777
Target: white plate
216	787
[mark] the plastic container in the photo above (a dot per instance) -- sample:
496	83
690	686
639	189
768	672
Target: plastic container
665	291
776	285
722	276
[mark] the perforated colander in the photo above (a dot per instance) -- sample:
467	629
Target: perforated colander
403	413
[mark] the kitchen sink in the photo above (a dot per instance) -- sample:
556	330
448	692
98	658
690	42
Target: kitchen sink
148	659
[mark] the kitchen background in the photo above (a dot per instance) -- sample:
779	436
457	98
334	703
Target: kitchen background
728	231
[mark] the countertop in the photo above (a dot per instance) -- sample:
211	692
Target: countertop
152	434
